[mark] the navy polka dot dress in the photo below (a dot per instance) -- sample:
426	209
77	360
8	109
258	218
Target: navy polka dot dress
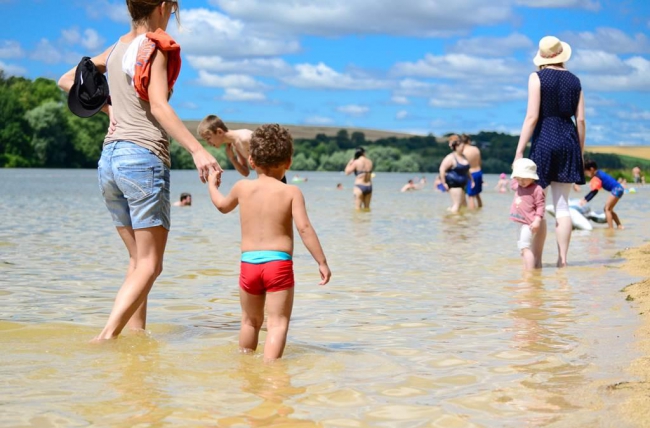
556	147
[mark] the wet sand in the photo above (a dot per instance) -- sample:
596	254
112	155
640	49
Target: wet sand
636	407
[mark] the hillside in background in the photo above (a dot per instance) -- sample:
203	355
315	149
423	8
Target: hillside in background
641	152
309	132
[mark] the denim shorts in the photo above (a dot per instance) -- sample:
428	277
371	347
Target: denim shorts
135	185
618	191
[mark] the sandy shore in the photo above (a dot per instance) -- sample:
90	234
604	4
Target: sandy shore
636	407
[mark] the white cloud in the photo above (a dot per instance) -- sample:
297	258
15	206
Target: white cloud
236	94
91	40
402	114
634	115
115	11
189	105
341	17
70	36
228	81
12	69
397	99
275	67
597	62
353	109
637	79
492	46
467	96
461	67
610	40
318	120
321	76
46	52
578	4
10	49
207	32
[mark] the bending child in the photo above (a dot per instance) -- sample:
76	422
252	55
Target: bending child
601	180
237	142
528	209
267	209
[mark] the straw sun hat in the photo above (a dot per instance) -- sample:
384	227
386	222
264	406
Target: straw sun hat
524	168
552	51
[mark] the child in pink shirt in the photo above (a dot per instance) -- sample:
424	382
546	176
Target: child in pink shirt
528	209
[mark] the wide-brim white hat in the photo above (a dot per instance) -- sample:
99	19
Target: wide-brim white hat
524	168
552	51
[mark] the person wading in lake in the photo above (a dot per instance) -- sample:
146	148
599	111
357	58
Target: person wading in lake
473	156
554	97
134	166
361	166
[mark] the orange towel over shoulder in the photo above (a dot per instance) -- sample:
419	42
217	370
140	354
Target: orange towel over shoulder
162	41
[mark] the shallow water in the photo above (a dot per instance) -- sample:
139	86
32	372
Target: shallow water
428	320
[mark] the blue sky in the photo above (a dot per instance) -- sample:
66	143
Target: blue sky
421	66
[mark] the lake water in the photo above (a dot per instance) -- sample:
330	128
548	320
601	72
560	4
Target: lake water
428	320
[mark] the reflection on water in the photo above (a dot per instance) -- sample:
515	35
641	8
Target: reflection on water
428	320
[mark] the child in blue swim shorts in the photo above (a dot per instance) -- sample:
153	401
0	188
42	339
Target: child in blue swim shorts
602	180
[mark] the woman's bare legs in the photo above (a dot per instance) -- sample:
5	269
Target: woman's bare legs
563	224
358	197
139	319
457	195
366	200
150	248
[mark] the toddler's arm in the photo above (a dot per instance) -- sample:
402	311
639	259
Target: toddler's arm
540	208
224	204
308	234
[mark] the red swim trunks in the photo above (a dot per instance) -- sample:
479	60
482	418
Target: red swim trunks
266	277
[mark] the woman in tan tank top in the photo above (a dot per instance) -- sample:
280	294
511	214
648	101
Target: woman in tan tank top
134	167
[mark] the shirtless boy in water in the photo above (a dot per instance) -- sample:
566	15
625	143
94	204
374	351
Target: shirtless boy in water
216	133
268	209
473	156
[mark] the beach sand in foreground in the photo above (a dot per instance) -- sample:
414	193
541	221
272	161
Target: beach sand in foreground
636	406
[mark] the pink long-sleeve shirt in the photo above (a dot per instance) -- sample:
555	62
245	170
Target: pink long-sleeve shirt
529	202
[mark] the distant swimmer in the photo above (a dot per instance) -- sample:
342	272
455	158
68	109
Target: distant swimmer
410	185
361	166
473	155
454	173
185	200
638	177
502	184
438	186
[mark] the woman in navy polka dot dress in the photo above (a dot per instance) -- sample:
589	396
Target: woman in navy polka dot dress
554	98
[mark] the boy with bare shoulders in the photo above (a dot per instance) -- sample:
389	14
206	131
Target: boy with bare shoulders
268	209
237	141
473	156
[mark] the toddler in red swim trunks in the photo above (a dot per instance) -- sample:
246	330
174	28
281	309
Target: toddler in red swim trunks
268	209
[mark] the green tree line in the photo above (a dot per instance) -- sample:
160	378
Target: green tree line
38	130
